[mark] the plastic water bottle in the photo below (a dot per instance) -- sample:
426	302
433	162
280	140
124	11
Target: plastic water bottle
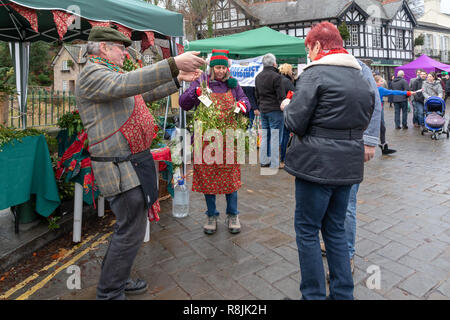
180	203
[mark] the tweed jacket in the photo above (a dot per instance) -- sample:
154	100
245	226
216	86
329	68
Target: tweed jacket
105	101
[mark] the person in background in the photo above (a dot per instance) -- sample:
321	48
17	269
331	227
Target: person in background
371	136
328	115
389	86
269	95
432	87
411	84
288	83
418	99
213	179
444	81
447	86
254	111
400	102
383	93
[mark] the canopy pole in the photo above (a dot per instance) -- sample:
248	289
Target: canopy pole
20	53
182	113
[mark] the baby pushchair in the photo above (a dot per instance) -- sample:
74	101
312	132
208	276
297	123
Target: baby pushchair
434	118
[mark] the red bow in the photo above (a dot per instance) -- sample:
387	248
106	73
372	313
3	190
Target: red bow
289	95
242	106
198	91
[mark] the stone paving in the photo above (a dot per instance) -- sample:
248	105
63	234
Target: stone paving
403	227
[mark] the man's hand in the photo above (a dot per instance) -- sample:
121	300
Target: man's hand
189	61
369	153
189	76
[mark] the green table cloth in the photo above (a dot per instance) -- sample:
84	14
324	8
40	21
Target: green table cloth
26	169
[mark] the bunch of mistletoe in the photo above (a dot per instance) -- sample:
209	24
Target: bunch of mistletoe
210	116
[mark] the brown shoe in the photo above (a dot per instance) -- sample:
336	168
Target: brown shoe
281	165
210	226
234	226
322	248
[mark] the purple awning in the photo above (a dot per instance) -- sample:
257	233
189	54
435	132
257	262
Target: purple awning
423	62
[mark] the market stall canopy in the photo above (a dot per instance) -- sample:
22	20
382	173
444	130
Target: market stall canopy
25	21
254	43
49	20
423	62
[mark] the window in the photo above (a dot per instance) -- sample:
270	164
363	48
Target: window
218	16
226	15
376	39
400	39
64	85
353	40
65	65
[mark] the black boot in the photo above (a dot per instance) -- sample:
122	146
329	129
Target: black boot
385	150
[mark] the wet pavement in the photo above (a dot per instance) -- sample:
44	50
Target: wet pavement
403	233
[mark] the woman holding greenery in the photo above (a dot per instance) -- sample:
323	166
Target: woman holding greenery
229	100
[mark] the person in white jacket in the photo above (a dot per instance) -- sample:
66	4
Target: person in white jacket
432	88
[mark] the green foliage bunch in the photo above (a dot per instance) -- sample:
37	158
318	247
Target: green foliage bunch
8	135
72	122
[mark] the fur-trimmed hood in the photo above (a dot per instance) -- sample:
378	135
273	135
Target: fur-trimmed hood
337	59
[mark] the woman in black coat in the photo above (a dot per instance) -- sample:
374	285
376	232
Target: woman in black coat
328	115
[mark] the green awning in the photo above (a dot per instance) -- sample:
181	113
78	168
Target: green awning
137	15
254	43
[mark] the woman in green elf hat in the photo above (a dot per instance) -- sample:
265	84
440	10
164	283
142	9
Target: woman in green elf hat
218	178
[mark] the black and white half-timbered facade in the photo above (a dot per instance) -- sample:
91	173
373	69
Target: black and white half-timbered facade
381	31
227	17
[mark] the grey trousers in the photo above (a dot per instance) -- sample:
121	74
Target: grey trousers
129	232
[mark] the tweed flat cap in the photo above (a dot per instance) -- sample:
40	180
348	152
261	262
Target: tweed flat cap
99	34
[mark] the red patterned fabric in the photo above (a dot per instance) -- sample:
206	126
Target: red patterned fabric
62	21
166	52
126	31
27	13
180	48
148	39
139	130
219	178
162	155
153	213
99	24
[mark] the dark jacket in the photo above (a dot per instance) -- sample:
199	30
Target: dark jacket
288	84
447	87
269	90
417	85
400	84
331	95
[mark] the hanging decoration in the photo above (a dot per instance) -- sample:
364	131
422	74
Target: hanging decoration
99	23
62	21
148	39
126	31
27	13
180	48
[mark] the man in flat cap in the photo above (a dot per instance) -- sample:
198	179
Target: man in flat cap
120	129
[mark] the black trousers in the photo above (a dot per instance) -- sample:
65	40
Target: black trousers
129	232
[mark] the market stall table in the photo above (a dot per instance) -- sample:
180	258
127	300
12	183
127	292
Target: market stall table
26	169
